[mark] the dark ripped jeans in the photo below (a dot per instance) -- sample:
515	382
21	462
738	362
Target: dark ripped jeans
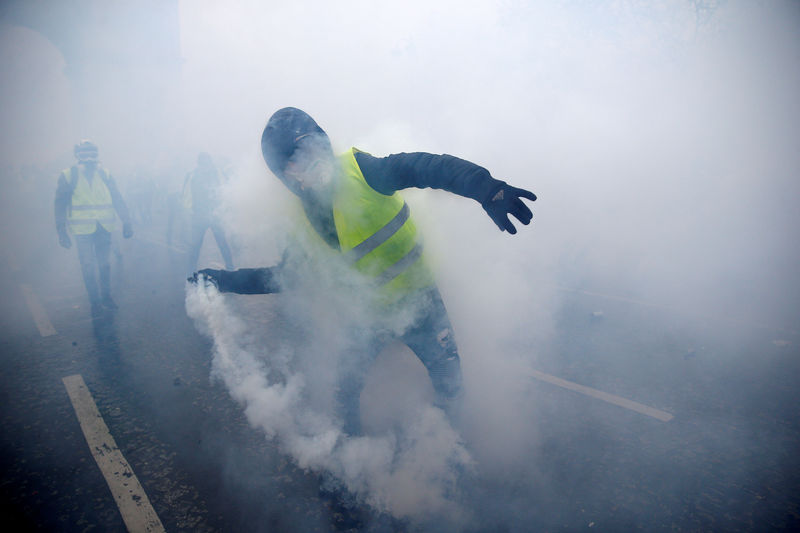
93	253
431	339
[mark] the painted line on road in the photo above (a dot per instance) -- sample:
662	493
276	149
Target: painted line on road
37	310
606	397
134	506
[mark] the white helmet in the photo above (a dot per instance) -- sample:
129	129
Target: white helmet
86	151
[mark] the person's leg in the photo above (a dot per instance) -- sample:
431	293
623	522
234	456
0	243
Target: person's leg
222	242
102	250
86	256
348	399
431	339
199	227
353	374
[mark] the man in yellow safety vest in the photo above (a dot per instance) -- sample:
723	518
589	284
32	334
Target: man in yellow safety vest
354	208
87	199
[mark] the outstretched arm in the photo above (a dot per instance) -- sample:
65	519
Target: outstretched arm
419	169
63	199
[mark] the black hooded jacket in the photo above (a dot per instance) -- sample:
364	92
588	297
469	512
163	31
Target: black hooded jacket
386	175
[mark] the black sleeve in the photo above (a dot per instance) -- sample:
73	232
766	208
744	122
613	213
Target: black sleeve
248	281
419	169
117	201
63	199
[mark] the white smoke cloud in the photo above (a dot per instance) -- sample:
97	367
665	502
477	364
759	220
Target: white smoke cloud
659	140
285	377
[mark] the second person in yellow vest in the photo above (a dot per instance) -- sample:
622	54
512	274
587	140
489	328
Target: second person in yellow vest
87	202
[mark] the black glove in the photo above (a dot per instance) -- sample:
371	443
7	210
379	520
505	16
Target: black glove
506	201
63	240
127	230
207	276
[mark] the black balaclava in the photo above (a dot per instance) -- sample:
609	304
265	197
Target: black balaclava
278	142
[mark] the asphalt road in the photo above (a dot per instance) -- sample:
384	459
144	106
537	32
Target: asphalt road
727	461
148	370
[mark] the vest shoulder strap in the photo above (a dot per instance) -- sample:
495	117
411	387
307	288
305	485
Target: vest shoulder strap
103	176
73	177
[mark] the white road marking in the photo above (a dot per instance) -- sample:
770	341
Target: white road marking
134	506
37	310
606	397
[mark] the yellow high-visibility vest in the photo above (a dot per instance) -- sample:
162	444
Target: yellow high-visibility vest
91	203
376	233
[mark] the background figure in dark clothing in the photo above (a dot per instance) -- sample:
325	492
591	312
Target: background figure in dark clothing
86	199
353	205
201	197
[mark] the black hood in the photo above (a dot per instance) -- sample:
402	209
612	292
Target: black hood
281	134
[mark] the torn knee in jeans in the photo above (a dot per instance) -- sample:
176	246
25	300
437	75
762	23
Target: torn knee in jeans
445	337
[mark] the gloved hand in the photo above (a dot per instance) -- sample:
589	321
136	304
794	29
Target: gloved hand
506	202
64	240
207	276
127	230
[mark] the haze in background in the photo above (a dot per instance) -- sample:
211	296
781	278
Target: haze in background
657	137
660	133
660	137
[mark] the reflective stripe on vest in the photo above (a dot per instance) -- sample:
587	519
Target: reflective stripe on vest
91	203
91	221
380	236
86	207
400	266
376	232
